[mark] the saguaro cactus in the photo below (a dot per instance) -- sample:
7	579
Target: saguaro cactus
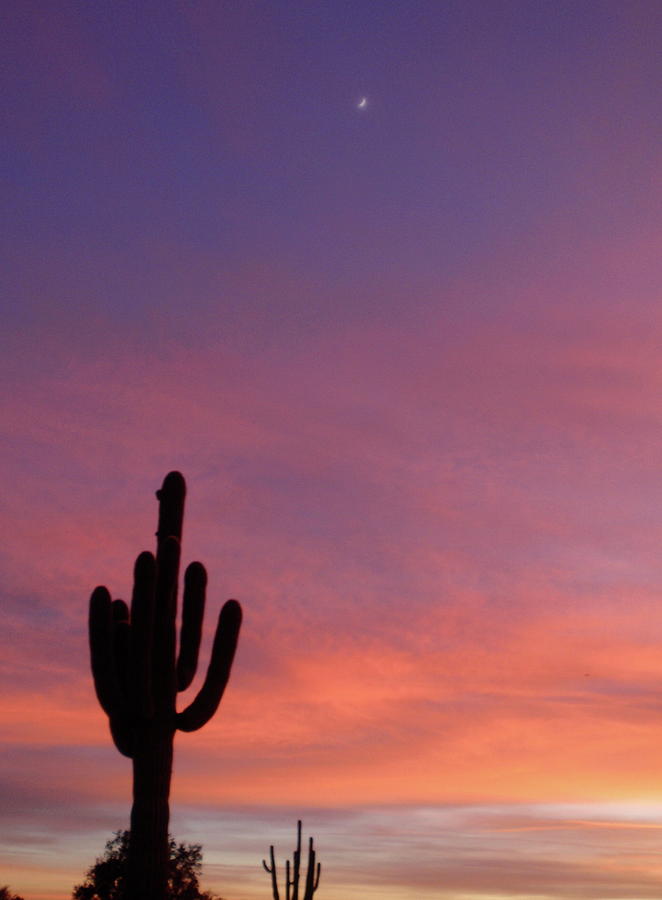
293	872
137	677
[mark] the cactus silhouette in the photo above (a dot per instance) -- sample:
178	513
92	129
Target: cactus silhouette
293	872
137	677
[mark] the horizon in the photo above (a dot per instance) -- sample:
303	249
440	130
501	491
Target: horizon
405	353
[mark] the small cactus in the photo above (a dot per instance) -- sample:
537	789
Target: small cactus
293	872
137	677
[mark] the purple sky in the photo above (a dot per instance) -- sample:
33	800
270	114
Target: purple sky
408	358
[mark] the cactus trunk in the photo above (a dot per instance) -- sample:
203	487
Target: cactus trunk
150	814
137	676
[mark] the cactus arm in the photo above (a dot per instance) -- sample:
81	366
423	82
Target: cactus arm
288	881
225	643
195	583
310	872
272	871
104	669
120	611
121	637
142	623
120	723
106	683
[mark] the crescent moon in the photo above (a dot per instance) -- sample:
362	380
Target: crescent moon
363	102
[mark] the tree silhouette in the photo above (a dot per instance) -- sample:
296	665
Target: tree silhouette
107	878
6	894
137	677
293	872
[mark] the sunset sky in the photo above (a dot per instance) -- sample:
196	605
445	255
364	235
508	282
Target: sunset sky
409	359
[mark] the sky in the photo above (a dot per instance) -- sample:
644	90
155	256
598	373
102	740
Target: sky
407	356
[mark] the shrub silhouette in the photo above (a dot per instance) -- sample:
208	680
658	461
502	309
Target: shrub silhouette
106	879
137	679
293	872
